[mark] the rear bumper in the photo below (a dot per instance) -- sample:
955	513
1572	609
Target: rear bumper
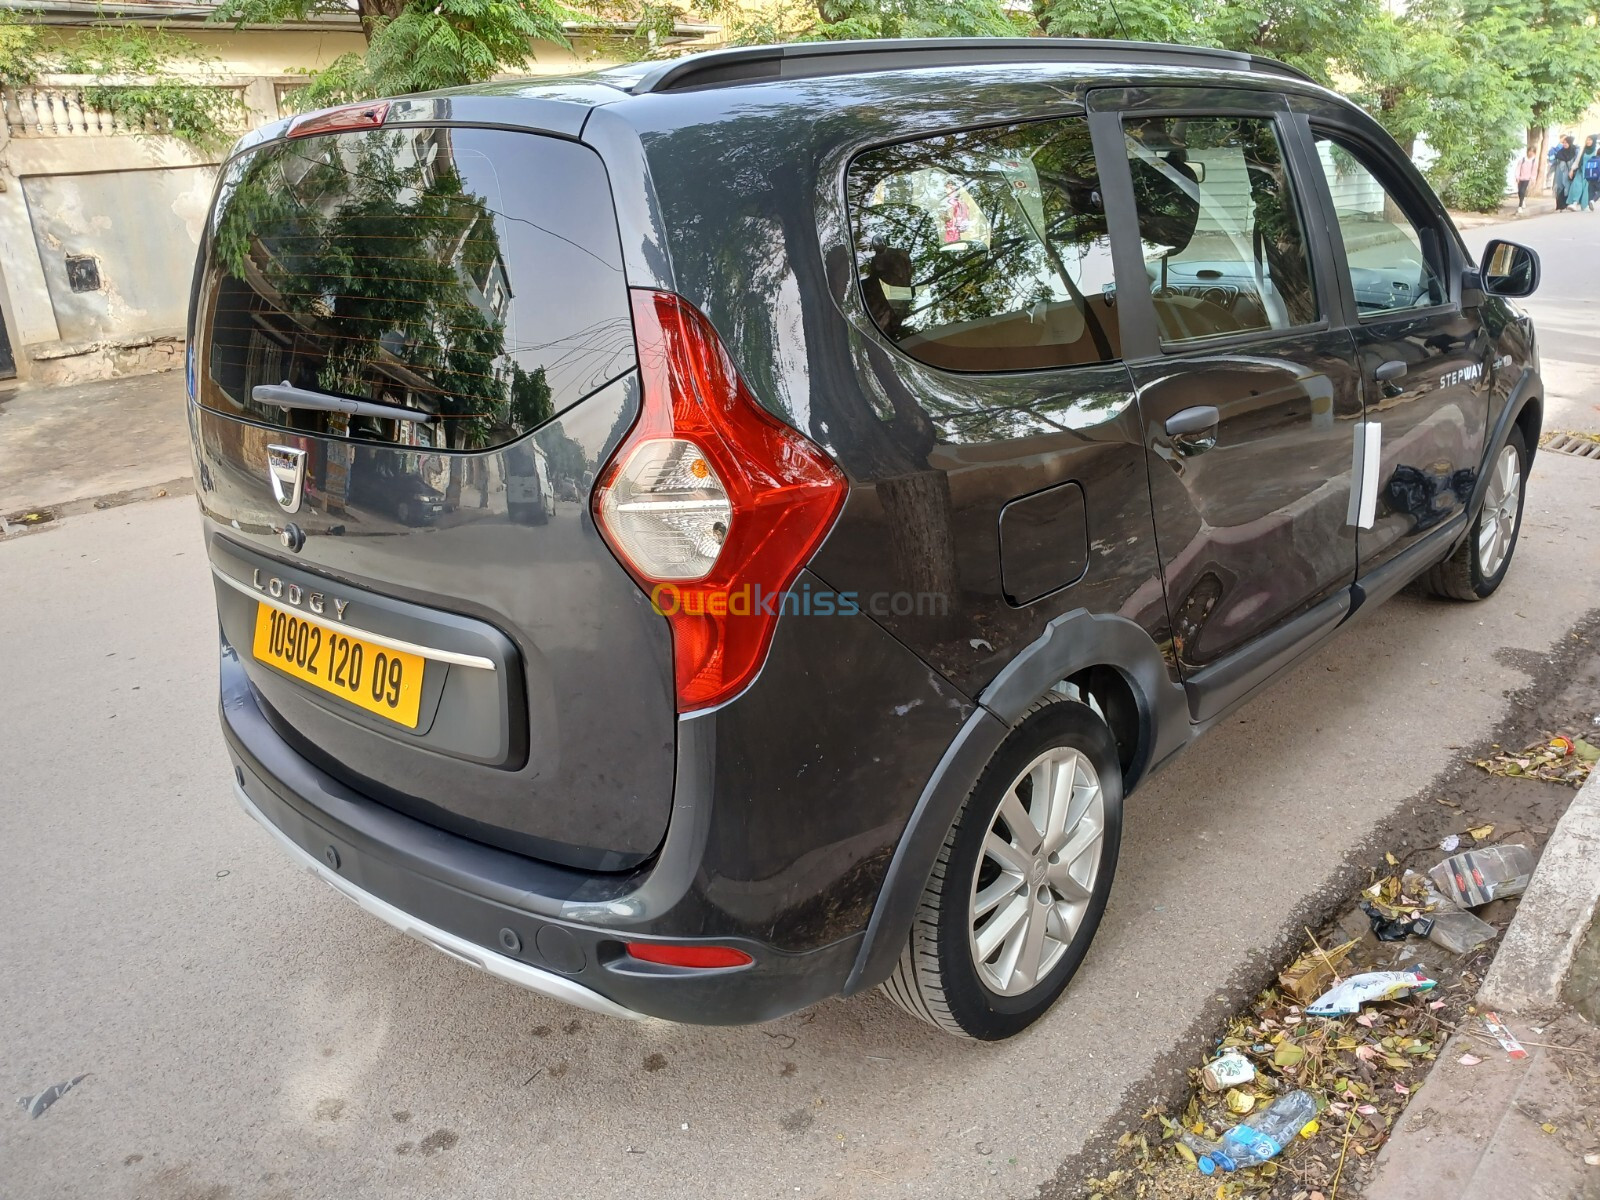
553	930
546	983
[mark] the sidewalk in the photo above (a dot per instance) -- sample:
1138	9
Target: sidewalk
1489	1124
75	443
1537	206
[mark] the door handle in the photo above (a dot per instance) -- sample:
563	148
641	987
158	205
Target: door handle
1193	430
1393	369
1192	420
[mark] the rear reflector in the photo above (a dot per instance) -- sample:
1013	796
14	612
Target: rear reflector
336	120
712	503
687	956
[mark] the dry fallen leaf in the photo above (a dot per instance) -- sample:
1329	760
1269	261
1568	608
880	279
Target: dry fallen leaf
1287	1055
1479	832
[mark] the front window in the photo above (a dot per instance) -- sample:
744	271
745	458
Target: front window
1390	266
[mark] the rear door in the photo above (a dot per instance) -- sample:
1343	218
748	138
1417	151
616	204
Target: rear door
1427	362
1246	380
412	615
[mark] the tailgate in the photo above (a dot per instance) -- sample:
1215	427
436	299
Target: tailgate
414	584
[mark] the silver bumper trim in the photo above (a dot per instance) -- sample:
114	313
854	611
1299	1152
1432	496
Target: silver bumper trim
546	983
377	639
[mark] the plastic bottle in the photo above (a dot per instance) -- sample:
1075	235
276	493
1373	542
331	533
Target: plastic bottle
1254	1141
1476	877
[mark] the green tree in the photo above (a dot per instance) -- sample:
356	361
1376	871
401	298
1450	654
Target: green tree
1320	37
835	20
1317	36
1431	72
416	45
1136	20
1550	47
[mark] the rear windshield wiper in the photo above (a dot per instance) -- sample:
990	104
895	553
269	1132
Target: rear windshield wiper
285	396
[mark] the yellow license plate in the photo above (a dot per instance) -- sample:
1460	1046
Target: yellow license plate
378	679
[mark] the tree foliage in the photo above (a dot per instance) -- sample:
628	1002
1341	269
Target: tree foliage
1463	74
417	45
21	58
1551	48
147	77
1135	20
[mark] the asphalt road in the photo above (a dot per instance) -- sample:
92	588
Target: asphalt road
246	1033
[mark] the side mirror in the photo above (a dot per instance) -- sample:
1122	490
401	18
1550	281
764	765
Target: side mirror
1509	269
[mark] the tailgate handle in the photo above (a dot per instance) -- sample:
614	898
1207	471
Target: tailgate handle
286	396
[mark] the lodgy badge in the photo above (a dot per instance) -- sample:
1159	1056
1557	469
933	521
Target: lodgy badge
293	593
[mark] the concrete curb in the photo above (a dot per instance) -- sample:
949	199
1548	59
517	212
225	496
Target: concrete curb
1554	913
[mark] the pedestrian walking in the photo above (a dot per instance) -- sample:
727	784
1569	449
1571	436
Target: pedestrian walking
1566	156
1527	166
1586	176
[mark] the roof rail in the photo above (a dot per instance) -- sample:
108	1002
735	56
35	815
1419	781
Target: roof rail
806	60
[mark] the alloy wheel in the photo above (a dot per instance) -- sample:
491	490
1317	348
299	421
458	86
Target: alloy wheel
1498	522
1036	875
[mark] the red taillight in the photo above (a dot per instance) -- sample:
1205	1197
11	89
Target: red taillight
369	115
687	956
712	503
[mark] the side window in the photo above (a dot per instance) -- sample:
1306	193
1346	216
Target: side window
1223	243
1392	265
987	250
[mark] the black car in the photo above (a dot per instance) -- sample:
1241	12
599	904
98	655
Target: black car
963	427
381	484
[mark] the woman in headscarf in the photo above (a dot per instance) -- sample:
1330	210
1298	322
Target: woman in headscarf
1580	192
1566	156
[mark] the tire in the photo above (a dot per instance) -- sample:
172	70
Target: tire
940	976
1462	576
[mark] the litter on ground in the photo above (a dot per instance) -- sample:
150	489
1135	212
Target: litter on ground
1560	760
1346	999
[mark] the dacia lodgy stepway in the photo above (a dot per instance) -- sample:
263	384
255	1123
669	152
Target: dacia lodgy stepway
702	537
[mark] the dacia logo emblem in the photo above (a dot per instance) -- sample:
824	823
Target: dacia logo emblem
286	470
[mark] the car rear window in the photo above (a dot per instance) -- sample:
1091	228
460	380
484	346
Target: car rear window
471	275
